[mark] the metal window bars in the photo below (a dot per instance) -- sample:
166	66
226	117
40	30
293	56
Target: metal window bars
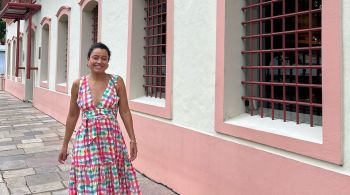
155	48
282	60
94	24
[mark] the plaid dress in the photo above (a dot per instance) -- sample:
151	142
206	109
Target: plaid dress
100	162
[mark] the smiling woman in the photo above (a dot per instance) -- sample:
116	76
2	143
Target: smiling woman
100	161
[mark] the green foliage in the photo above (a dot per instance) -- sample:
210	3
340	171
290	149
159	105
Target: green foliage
2	29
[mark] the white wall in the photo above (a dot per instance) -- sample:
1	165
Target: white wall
194	64
2	59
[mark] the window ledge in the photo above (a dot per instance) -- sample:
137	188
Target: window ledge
159	102
150	105
61	87
44	84
279	127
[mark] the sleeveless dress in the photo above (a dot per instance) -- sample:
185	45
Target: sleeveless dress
100	162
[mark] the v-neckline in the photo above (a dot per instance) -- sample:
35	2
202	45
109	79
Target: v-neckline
103	94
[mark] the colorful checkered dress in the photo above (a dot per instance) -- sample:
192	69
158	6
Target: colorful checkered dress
100	162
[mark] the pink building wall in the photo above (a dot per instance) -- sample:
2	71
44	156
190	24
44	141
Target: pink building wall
15	88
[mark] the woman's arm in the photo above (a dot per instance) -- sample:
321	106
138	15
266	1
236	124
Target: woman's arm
71	121
125	114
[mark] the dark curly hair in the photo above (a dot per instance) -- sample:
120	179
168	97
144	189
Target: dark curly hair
99	45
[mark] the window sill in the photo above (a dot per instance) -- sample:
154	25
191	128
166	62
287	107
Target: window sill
279	127
61	87
44	84
150	101
152	106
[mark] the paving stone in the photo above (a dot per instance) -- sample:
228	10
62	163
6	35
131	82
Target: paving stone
19	173
64	175
13	142
15	164
3	189
40	128
8	139
47	139
32	133
46	135
22	138
64	167
44	193
20	191
42	149
30	145
42	178
8	147
15	135
61	192
27	141
43	162
52	186
51	169
12	152
15	182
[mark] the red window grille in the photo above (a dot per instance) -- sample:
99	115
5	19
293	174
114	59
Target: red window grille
282	60
66	56
155	48
94	24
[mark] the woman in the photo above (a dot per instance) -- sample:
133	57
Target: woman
100	162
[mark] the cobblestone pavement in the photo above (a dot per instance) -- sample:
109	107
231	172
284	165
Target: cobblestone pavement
29	145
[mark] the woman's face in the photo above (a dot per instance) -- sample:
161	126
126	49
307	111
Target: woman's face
98	60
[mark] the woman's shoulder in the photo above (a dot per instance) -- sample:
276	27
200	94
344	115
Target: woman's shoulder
116	77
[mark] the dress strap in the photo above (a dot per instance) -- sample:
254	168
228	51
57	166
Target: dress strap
114	78
82	85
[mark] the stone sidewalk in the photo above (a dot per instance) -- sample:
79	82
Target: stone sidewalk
29	144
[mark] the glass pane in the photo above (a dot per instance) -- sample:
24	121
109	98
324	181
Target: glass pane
316	57
266	43
266	26
290	75
303	5
317	95
316	38
277	25
290	40
290	57
316	4
266	10
290	6
277	58
290	23
290	93
303	39
303	94
303	21
277	41
303	76
316	76
277	8
316	20
266	58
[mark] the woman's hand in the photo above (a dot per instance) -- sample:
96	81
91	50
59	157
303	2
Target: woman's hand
63	154
133	150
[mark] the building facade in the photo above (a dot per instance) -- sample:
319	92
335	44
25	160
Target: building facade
227	96
2	59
